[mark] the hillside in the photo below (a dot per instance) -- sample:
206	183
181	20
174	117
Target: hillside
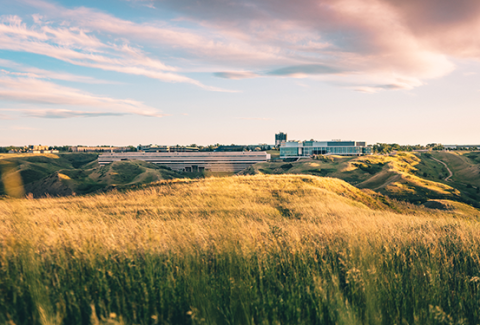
263	249
413	177
68	174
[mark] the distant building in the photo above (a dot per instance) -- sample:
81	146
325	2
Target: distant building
152	148
192	161
99	149
280	138
183	149
462	146
42	151
230	148
298	149
39	149
157	148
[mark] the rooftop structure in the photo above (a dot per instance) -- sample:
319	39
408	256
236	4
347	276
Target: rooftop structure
39	149
462	146
99	149
192	161
303	149
280	138
152	148
231	148
157	148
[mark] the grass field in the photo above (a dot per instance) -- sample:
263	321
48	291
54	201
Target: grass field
412	177
76	173
263	249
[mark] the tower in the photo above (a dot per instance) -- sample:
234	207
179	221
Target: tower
280	138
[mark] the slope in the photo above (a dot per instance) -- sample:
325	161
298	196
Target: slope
68	174
412	177
262	249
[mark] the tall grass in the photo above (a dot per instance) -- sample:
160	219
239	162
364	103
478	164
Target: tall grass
239	250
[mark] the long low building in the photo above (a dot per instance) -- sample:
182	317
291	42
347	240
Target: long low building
462	146
100	149
192	161
297	149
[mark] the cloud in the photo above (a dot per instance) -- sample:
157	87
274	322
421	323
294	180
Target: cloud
146	3
65	113
360	44
77	46
304	70
235	75
373	41
45	74
40	92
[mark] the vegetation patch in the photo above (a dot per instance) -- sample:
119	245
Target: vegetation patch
283	249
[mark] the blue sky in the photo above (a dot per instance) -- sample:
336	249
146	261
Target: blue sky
223	71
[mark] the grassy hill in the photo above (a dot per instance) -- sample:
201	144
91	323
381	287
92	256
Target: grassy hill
262	249
465	166
67	174
413	177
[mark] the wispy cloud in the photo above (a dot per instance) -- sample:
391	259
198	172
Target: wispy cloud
77	46
301	71
236	75
371	44
373	41
41	92
146	3
65	113
45	74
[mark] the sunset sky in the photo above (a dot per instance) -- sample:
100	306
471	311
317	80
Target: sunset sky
223	71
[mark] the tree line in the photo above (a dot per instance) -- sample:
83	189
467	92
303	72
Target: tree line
390	147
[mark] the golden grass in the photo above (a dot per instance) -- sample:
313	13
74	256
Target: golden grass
290	221
27	155
199	213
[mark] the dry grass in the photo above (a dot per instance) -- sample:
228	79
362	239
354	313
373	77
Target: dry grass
240	250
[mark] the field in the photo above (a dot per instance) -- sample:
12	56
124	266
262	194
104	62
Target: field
411	177
262	249
71	174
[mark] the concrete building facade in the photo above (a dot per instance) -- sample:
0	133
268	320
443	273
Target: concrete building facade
157	148
462	146
280	138
192	161
99	149
299	149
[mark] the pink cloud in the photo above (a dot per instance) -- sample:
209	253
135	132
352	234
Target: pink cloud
359	44
31	90
74	46
33	72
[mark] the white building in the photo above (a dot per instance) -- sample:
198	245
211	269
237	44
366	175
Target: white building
299	149
462	146
192	161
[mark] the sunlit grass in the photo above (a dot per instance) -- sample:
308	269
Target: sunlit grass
241	250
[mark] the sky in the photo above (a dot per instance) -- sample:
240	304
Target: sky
168	72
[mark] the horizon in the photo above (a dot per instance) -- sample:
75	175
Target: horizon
131	72
234	144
